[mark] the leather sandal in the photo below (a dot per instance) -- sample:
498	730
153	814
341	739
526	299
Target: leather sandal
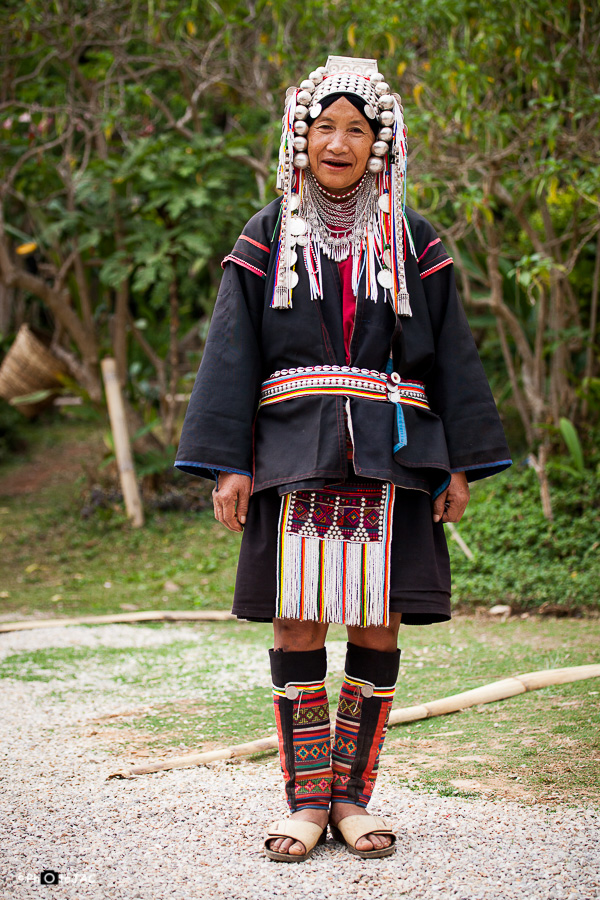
350	829
306	833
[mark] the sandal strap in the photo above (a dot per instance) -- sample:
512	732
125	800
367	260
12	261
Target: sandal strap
354	827
306	832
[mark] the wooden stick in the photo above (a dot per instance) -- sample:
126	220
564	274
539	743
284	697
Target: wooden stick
118	422
459	540
159	615
487	693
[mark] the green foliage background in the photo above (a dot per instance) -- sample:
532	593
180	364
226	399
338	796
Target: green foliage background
137	139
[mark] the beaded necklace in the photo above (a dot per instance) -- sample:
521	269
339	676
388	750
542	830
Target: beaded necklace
338	227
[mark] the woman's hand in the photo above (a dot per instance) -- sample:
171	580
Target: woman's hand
451	504
231	500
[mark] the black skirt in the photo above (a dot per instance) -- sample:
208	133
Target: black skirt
420	565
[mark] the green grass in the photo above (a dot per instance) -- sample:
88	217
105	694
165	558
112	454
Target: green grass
542	744
54	562
195	694
60	567
213	690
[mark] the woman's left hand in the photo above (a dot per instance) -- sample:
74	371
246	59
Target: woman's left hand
451	504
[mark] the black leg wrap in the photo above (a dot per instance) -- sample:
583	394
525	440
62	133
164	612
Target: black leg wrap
297	665
361	723
302	717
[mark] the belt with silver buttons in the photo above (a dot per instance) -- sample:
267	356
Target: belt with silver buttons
342	381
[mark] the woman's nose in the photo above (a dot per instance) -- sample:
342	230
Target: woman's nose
337	141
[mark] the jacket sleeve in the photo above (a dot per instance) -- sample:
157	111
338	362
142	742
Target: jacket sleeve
217	432
459	391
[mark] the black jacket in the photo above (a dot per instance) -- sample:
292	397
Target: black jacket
302	442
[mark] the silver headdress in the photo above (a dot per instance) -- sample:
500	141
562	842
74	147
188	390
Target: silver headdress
378	240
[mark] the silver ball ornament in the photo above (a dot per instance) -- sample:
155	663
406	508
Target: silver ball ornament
302	112
322	70
307	85
300	143
316	77
386	102
301	160
375	165
385	134
379	148
376	78
386	117
304	98
382	88
301	127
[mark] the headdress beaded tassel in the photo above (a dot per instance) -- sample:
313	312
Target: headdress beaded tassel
379	251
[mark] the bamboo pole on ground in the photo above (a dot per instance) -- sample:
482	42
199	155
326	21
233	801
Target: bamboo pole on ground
487	693
118	423
159	615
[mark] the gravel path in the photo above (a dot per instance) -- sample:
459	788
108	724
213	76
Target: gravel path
196	833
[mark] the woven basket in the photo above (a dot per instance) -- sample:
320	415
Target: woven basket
29	366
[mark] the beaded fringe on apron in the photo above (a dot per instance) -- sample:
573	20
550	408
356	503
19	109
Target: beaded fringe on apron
334	554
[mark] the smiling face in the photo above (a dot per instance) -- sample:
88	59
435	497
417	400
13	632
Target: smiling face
339	145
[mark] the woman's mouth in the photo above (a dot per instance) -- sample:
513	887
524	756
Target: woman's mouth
335	164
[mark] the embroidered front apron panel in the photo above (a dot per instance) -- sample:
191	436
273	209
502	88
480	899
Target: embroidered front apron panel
334	554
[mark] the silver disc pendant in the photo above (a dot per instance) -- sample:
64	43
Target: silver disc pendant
315	110
293	258
294	201
302	240
384	203
297	226
292	278
369	111
291	692
385	279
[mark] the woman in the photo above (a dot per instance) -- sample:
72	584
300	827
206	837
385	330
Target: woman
342	408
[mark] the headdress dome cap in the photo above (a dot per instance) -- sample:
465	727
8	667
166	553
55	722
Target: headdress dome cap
360	78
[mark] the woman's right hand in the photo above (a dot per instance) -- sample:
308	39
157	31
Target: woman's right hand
231	500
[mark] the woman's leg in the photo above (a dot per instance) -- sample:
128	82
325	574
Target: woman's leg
372	663
298	669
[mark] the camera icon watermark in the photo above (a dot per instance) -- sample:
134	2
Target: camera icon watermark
49	876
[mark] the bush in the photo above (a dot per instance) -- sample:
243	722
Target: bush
11	431
521	558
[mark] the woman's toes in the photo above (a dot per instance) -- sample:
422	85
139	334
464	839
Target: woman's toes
280	845
287	845
364	843
373	842
297	849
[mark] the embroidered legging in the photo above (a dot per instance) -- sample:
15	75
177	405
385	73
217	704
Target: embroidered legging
361	722
303	727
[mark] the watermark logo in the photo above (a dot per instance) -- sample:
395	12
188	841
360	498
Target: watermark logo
50	877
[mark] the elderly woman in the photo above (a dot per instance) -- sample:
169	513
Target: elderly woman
342	408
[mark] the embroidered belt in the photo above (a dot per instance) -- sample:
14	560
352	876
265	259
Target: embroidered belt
344	381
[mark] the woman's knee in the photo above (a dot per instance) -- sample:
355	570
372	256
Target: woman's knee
377	637
293	634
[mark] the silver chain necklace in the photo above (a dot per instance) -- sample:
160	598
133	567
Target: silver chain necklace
338	227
